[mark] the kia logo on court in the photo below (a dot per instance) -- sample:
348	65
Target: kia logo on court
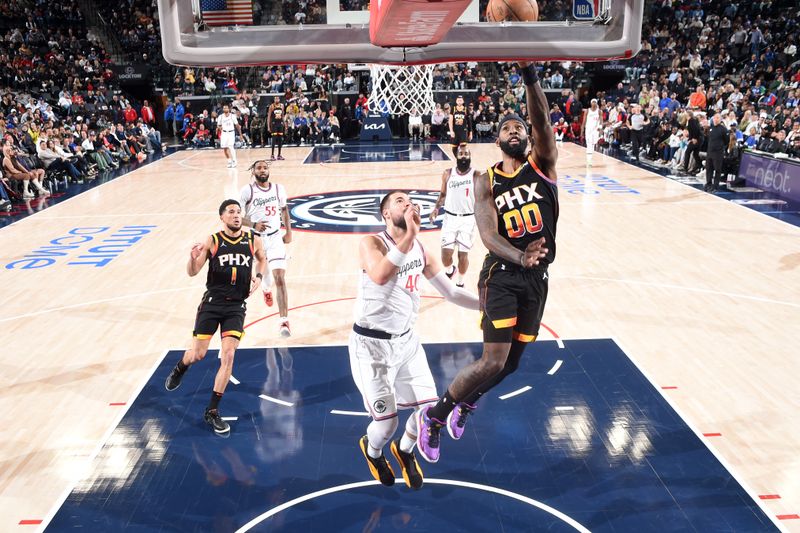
353	211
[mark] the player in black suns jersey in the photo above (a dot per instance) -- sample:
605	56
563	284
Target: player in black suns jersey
516	210
460	124
231	254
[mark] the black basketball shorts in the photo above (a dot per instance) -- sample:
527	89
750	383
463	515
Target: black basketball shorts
512	300
228	316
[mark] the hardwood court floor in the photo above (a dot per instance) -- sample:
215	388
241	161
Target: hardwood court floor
702	293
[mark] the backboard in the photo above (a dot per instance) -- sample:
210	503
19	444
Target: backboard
240	32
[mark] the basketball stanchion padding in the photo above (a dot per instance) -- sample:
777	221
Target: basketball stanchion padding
411	22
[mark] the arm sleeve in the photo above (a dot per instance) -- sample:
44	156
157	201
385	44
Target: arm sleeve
454	294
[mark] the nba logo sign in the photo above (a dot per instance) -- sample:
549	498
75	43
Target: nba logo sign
585	9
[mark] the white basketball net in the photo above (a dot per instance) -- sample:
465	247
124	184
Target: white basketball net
397	89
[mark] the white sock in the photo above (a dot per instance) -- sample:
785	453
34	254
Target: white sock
407	442
379	432
372	452
233	154
266	283
284	319
460	279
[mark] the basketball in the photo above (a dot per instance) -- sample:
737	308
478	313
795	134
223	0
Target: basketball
512	10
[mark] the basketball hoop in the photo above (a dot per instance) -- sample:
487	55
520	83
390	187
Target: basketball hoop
398	89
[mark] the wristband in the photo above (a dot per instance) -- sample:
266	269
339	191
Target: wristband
522	260
529	75
396	257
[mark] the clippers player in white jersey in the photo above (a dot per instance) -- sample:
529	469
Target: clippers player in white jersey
388	362
592	129
458	196
227	126
265	210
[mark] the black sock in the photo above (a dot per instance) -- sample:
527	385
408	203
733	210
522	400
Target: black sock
214	402
443	407
182	368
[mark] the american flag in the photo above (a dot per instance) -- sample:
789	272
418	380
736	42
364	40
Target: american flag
227	12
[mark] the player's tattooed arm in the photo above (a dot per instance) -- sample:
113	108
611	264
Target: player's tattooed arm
486	218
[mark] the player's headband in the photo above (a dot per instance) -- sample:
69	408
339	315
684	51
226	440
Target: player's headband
511	116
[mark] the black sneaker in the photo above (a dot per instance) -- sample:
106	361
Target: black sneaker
380	467
450	273
173	380
216	422
412	473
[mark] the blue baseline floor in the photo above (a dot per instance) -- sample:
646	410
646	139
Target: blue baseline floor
594	441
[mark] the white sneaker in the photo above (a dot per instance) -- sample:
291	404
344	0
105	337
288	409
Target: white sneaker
230	164
284	329
233	164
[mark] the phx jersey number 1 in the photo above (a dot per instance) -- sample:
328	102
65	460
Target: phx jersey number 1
527	206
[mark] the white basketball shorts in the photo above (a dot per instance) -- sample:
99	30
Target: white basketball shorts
227	139
458	230
391	374
275	249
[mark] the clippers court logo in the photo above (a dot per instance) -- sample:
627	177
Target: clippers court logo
353	211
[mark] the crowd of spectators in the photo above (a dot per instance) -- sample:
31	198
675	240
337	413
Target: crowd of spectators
734	59
61	115
61	112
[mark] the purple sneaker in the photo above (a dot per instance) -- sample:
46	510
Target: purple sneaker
428	436
457	419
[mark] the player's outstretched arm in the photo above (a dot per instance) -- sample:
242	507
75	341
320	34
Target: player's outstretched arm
486	218
434	273
197	256
545	151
